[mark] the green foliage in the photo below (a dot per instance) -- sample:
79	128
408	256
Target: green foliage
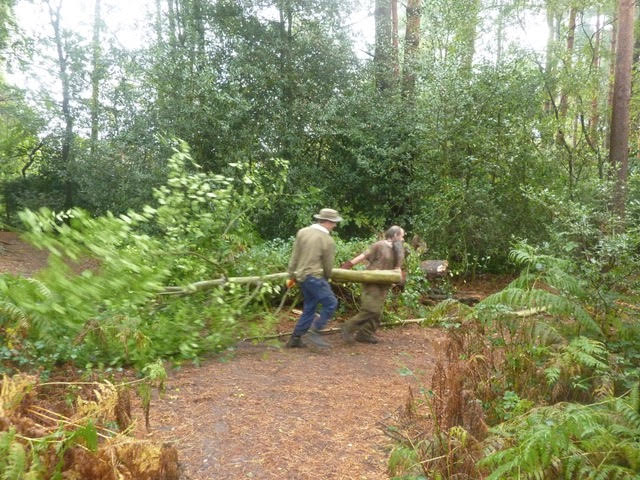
110	313
526	291
512	405
569	441
401	461
16	462
545	339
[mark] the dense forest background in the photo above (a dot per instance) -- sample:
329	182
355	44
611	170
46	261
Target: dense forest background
197	153
445	124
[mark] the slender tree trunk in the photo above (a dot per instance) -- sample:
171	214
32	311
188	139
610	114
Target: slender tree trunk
595	114
412	43
382	56
612	69
619	146
468	36
394	40
561	137
171	17
571	35
286	74
67	140
549	70
500	32
158	23
199	29
96	76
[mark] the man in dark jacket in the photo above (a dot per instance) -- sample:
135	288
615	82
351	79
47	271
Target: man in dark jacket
310	266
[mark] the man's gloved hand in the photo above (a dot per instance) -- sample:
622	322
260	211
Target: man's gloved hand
404	277
348	265
291	282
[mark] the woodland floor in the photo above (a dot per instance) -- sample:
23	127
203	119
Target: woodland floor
265	412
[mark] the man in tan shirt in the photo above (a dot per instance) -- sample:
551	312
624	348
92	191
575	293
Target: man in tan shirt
310	265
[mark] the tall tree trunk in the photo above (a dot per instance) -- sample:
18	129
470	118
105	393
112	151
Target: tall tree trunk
171	16
612	69
500	32
595	114
382	56
571	35
549	70
197	13
158	22
96	76
411	45
619	149
193	32
468	32
286	75
63	73
394	40
561	137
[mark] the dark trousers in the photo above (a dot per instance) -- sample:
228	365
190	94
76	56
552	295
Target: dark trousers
315	291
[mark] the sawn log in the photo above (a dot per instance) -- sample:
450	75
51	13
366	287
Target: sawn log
337	275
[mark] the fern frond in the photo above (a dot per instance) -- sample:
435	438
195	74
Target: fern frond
13	312
516	298
44	291
572	466
634	397
628	412
587	352
16	463
631	453
524	254
614	472
541	333
526	280
6	440
563	281
447	308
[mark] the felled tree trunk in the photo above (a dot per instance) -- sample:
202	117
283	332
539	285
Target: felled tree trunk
366	276
337	275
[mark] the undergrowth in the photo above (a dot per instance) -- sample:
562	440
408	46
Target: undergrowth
112	313
89	437
540	379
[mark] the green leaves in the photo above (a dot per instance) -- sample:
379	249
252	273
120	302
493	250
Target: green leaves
568	441
96	302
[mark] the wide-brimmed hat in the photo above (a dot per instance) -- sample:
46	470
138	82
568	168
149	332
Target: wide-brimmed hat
328	214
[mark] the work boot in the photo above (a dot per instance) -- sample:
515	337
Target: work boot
347	333
295	342
363	337
314	337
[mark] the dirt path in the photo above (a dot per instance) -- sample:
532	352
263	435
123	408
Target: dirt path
275	413
18	257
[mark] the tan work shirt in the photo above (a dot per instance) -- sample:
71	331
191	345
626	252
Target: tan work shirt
313	253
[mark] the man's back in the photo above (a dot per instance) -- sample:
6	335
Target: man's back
313	253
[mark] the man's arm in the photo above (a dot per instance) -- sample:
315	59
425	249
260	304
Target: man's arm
295	254
328	257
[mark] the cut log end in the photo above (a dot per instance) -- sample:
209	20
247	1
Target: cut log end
434	268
